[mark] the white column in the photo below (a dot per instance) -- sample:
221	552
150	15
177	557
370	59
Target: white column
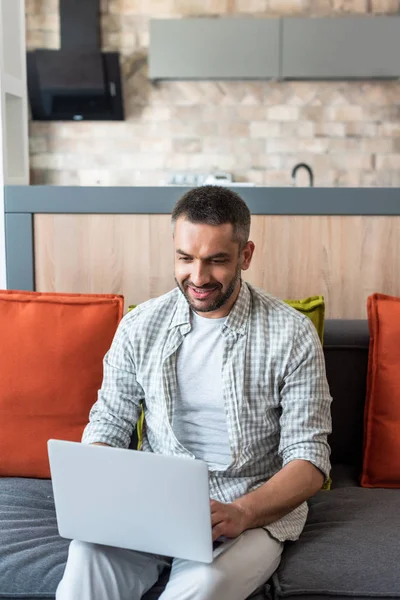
14	143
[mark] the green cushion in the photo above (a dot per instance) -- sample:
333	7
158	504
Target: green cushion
314	309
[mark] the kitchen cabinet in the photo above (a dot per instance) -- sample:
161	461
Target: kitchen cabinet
214	48
341	47
352	47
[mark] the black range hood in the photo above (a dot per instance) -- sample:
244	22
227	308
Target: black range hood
78	82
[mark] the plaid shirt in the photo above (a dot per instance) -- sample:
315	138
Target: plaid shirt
275	391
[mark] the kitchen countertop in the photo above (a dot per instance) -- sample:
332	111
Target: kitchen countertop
160	200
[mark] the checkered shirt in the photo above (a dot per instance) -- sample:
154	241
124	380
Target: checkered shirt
275	390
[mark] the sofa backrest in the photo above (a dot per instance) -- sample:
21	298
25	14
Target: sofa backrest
346	345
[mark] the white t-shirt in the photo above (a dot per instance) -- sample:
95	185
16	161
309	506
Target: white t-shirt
199	420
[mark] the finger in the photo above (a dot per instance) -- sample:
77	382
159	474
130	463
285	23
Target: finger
217	531
217	518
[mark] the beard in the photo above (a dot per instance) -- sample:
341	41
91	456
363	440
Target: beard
216	303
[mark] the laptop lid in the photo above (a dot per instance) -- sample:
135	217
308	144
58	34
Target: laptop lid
132	499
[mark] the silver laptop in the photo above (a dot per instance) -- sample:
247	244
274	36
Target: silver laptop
130	499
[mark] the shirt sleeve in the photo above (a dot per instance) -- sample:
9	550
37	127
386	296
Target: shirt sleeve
118	406
305	400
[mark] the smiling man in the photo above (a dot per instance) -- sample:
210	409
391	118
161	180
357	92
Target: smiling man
228	374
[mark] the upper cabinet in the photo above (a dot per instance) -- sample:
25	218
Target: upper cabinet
214	48
275	48
341	48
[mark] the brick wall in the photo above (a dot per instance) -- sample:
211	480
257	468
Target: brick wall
349	132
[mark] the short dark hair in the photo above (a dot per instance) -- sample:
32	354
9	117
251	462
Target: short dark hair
215	205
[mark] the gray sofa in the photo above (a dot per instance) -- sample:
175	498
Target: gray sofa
350	545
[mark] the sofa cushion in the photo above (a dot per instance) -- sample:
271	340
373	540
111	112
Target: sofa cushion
51	366
32	554
349	547
381	466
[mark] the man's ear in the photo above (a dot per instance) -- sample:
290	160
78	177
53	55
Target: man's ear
247	255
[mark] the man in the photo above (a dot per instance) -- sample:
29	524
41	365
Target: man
228	374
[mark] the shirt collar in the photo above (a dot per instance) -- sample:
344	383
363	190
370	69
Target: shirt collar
182	312
236	320
238	317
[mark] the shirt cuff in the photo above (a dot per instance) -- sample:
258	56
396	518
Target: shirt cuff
317	453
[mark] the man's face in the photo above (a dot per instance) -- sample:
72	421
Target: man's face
208	266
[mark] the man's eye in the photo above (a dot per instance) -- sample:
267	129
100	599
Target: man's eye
185	258
220	262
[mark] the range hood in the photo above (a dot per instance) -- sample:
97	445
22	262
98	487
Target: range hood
77	82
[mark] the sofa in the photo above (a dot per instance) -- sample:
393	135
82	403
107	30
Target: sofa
350	546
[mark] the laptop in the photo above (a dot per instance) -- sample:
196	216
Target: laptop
132	499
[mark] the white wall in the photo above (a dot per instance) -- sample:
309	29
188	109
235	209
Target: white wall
14	155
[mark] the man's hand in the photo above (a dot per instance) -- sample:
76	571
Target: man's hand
229	520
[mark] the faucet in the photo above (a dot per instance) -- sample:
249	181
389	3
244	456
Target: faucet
307	168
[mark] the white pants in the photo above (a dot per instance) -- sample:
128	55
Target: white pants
95	572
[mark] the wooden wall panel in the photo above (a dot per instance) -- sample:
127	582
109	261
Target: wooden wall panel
125	254
343	258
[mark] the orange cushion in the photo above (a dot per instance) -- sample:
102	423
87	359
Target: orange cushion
51	365
381	467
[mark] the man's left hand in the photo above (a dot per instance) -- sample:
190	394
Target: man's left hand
229	520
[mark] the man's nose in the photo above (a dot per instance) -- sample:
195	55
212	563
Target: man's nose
200	274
